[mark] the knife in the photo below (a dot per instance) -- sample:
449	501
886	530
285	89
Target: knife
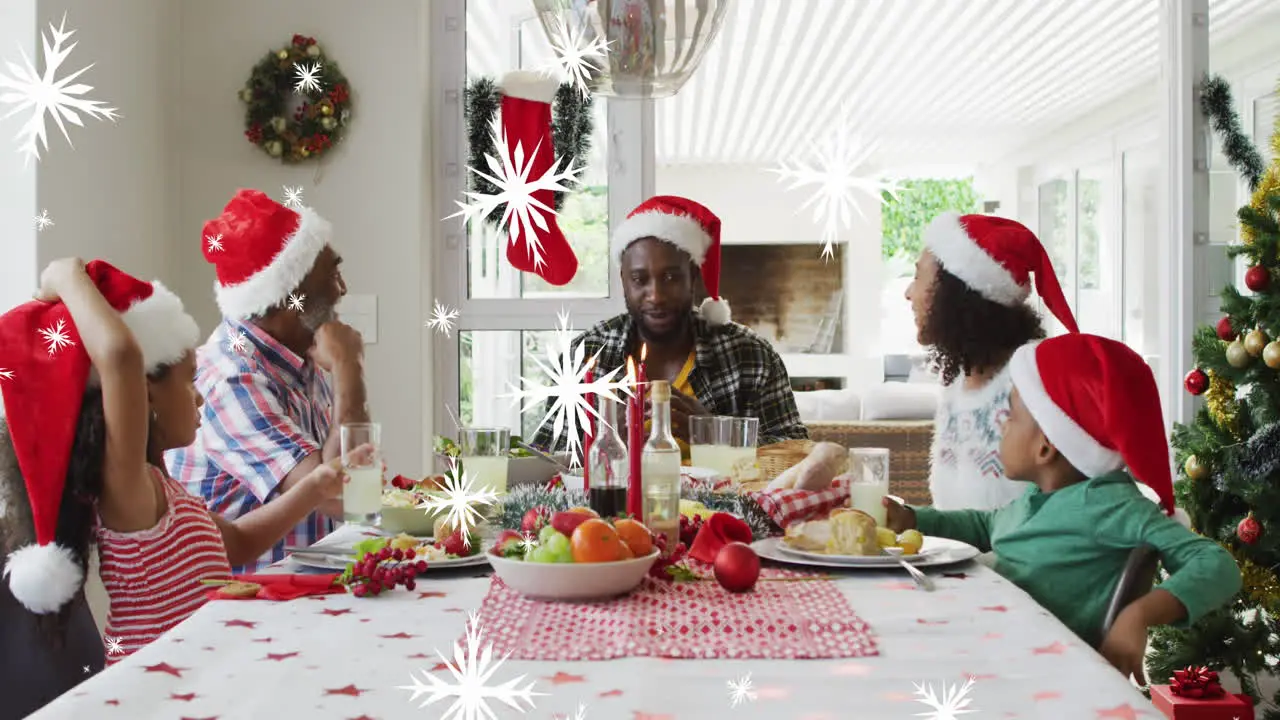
322	550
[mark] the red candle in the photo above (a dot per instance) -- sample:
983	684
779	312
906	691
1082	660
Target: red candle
589	431
635	446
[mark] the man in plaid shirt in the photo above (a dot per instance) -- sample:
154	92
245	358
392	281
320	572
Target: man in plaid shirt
715	367
279	374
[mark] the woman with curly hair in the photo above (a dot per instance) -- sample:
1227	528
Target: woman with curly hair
968	297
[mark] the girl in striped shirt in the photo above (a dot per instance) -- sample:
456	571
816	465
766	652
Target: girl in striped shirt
89	451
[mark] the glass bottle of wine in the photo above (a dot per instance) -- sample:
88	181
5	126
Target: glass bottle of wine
660	468
607	463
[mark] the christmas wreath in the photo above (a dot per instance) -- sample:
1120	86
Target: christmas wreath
571	127
318	123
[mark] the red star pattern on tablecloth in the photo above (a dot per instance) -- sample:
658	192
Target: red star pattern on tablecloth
265	639
1046	695
1119	712
280	656
1056	648
187	697
996	608
425	594
351	690
976	677
165	668
402	635
639	715
439	667
211	717
611	693
239	623
560	678
112	701
363	717
334	612
926	621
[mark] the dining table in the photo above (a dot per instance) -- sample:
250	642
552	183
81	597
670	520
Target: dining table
975	647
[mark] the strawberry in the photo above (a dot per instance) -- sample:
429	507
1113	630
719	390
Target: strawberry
455	545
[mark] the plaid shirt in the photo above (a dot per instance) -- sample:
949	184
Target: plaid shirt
735	372
265	409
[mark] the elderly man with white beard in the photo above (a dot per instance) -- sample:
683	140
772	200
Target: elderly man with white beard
279	375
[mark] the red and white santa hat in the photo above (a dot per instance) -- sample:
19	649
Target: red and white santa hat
1096	401
996	257
261	251
45	372
688	226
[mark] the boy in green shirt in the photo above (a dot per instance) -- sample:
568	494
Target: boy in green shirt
1083	407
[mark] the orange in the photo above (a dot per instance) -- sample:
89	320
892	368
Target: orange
634	535
584	511
624	552
594	541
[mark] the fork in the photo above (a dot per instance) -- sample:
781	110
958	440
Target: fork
922	581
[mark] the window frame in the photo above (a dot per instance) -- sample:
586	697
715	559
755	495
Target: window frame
630	180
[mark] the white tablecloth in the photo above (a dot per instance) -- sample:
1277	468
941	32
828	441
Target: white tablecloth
345	658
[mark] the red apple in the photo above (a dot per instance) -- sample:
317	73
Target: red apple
566	522
535	519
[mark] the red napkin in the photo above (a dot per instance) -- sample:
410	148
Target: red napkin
283	586
719	530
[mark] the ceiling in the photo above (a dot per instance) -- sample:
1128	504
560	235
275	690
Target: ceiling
928	80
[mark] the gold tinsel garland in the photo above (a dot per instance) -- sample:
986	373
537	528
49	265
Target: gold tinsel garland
1260	584
1221	401
1270	185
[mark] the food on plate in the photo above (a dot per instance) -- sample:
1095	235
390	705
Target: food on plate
508	544
825	461
692	509
844	532
595	541
240	590
591	540
886	537
911	541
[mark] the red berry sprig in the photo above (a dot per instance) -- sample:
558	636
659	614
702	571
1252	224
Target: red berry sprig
689	528
668	567
383	570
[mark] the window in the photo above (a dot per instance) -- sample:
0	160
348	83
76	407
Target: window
1078	227
1141	205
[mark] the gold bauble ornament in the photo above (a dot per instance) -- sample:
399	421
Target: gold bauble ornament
1271	354
282	54
1195	469
328	123
313	51
274	148
1255	341
326	109
304	152
1237	356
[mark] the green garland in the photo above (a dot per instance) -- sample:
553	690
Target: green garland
1217	105
317	125
571	128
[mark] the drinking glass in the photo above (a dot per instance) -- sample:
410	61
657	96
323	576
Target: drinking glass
869	471
726	445
362	462
485	455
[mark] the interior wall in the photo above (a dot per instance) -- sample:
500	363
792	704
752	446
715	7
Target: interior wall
17	182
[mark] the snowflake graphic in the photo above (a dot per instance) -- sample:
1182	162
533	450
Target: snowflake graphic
308	78
295	301
442	318
581	714
954	702
510	174
572	404
6	374
577	56
741	691
113	645
528	542
458	500
833	173
472	668
47	94
215	242
43	221
56	337
237	342
293	197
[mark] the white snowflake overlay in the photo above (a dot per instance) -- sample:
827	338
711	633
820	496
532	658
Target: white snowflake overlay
46	94
293	197
113	645
954	702
510	174
237	342
442	318
577	57
295	302
458	500
6	374
472	668
56	337
307	77
43	221
215	242
741	691
833	174
572	406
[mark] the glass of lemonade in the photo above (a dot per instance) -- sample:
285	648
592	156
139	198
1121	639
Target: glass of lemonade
362	462
725	444
485	455
869	470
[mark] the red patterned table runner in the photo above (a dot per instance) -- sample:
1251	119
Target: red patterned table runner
784	620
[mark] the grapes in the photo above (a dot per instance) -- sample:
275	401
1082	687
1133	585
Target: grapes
557	543
545	533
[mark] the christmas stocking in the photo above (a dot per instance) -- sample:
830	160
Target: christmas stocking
526	120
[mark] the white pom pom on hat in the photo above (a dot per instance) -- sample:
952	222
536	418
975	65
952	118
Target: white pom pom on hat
43	577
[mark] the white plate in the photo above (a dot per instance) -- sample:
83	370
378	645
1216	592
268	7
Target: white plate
936	551
340	562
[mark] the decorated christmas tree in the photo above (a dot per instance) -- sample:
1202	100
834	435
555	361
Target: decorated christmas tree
1229	456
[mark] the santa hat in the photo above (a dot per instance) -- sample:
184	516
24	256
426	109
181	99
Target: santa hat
1096	401
46	370
261	250
689	226
996	257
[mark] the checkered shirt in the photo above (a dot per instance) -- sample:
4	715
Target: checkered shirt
735	372
265	409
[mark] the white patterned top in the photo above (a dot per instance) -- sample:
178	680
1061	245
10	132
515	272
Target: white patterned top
966	472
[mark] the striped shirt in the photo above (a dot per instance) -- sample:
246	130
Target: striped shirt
152	577
265	409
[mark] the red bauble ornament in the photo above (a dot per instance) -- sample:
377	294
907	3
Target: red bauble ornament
1225	331
1196	382
1257	278
737	567
1249	530
535	519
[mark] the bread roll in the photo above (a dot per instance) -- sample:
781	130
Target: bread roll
823	464
853	532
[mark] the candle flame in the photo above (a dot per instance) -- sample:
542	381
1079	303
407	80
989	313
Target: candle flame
631	370
644	351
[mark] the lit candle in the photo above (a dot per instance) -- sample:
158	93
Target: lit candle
635	445
589	431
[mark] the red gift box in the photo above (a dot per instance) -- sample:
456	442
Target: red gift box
1227	707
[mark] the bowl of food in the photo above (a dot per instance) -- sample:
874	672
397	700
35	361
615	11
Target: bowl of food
400	506
523	467
576	556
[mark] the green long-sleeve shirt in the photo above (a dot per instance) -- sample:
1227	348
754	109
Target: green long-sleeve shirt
1067	548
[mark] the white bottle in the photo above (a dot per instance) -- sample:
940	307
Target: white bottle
660	468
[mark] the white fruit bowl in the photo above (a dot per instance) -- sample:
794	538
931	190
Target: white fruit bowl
572	581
